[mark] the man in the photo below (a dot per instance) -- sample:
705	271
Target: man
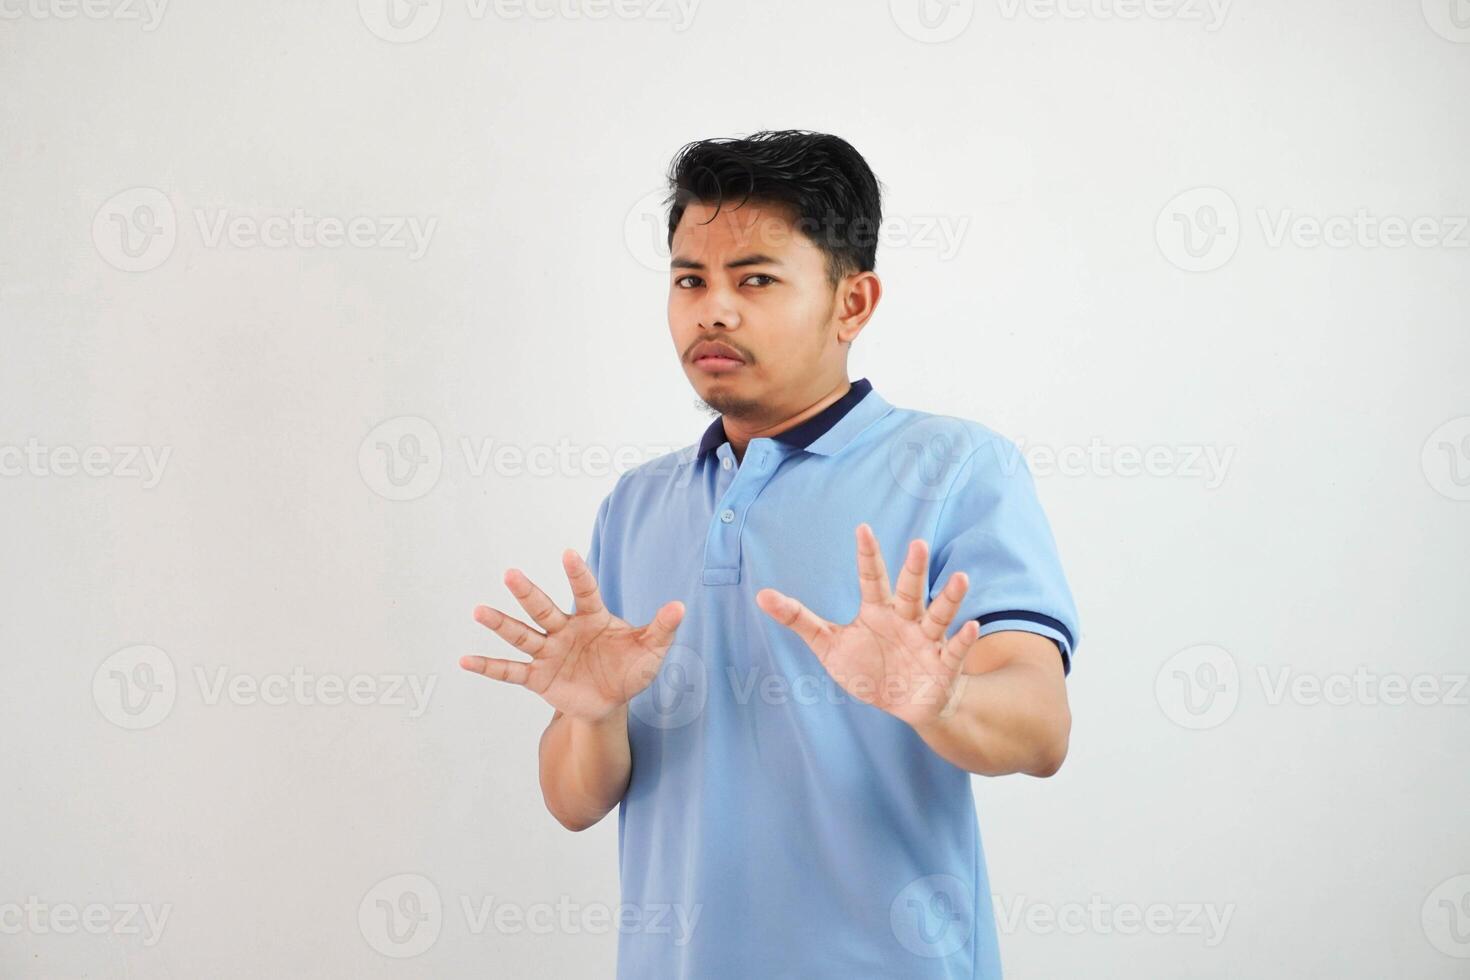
791	730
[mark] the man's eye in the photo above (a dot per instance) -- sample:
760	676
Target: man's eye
683	279
761	275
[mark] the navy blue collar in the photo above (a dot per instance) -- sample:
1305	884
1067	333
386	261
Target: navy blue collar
803	434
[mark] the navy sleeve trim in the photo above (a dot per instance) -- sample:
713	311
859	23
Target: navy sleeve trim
1041	620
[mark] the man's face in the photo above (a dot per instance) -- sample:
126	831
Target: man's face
749	280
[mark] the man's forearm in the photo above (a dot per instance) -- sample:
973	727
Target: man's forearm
584	767
1011	719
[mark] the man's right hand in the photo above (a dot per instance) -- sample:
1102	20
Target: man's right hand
587	665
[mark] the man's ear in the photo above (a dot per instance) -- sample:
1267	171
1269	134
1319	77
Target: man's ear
857	299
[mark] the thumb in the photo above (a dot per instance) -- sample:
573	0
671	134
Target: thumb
659	633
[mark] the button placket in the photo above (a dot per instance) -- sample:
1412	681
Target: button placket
722	545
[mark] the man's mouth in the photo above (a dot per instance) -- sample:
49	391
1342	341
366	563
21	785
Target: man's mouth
718	364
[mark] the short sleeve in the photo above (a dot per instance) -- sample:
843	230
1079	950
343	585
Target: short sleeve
599	558
991	526
594	550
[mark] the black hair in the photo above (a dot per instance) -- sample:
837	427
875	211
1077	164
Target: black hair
821	178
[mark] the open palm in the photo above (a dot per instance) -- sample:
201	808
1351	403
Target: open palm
586	665
893	655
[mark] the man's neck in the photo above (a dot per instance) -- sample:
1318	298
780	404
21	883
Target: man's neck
740	434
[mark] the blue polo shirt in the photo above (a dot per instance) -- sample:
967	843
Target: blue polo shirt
774	825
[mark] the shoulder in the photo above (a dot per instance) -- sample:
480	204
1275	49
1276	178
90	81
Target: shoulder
652	479
963	449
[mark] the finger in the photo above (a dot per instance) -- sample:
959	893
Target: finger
941	611
511	630
912	578
586	597
510	671
659	633
952	656
534	601
815	630
872	573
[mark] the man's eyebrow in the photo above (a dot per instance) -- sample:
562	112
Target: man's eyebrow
682	263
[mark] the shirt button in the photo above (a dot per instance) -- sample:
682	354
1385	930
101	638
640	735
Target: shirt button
727	515
725	463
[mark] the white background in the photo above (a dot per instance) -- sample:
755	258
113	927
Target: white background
1068	312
